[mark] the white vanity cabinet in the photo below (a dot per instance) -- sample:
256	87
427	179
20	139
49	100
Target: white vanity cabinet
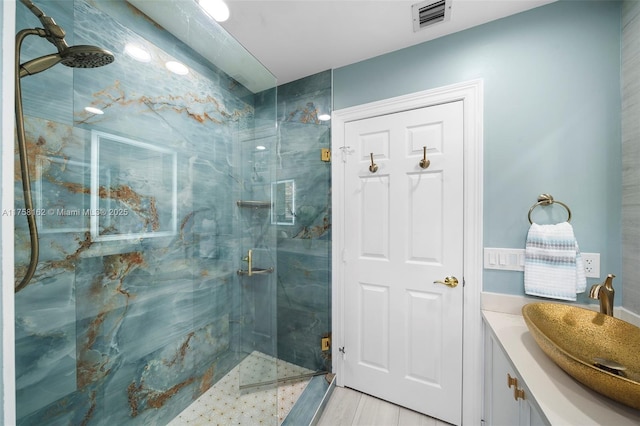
549	396
507	400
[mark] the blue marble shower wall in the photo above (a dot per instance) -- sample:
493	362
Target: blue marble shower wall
304	244
135	308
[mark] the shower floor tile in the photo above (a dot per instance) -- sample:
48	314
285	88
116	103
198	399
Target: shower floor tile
226	404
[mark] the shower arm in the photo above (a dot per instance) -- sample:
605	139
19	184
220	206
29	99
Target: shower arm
24	162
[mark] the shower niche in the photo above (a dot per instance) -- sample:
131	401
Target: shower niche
283	196
133	189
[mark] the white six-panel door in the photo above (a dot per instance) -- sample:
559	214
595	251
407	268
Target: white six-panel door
404	232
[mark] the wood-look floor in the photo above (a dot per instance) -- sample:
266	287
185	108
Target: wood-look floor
347	407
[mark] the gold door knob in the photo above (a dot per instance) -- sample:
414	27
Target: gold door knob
449	282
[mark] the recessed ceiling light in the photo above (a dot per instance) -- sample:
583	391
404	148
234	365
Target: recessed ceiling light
137	52
324	117
177	68
94	110
217	9
261	147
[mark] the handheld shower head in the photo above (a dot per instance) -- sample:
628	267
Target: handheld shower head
84	56
40	64
74	56
53	32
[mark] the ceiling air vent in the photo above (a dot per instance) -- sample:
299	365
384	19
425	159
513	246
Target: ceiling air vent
430	12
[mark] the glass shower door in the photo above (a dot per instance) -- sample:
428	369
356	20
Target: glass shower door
134	309
257	272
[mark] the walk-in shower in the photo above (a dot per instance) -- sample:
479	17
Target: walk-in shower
75	57
150	186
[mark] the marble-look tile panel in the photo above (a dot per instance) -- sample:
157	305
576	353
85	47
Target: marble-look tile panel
45	342
150	324
304	252
304	307
131	331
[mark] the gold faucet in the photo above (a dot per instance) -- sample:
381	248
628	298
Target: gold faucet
604	292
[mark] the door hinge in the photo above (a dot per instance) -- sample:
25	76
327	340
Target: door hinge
325	343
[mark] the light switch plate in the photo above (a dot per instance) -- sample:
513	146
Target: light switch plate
509	259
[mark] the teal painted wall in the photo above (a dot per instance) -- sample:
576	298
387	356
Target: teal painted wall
551	118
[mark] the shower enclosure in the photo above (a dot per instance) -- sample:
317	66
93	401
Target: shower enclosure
161	199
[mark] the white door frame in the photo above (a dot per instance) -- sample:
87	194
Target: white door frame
471	93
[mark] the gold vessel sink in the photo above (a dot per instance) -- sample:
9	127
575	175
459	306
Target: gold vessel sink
600	351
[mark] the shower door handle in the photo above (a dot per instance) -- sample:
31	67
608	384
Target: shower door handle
249	260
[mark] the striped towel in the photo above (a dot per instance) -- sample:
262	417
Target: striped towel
553	265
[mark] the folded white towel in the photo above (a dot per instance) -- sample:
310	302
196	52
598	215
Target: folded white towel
553	265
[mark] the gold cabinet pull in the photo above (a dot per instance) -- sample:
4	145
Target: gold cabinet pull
511	381
373	167
424	163
448	281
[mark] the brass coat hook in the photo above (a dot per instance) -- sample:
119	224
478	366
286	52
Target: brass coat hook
424	163
373	167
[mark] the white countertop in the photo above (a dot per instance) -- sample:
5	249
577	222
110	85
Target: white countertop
560	398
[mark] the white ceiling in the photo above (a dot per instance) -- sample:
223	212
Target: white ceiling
298	38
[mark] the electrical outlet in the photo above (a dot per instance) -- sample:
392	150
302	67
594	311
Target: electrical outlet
591	264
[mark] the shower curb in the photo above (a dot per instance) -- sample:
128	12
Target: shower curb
309	407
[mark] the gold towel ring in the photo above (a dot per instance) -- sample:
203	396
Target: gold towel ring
545	200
